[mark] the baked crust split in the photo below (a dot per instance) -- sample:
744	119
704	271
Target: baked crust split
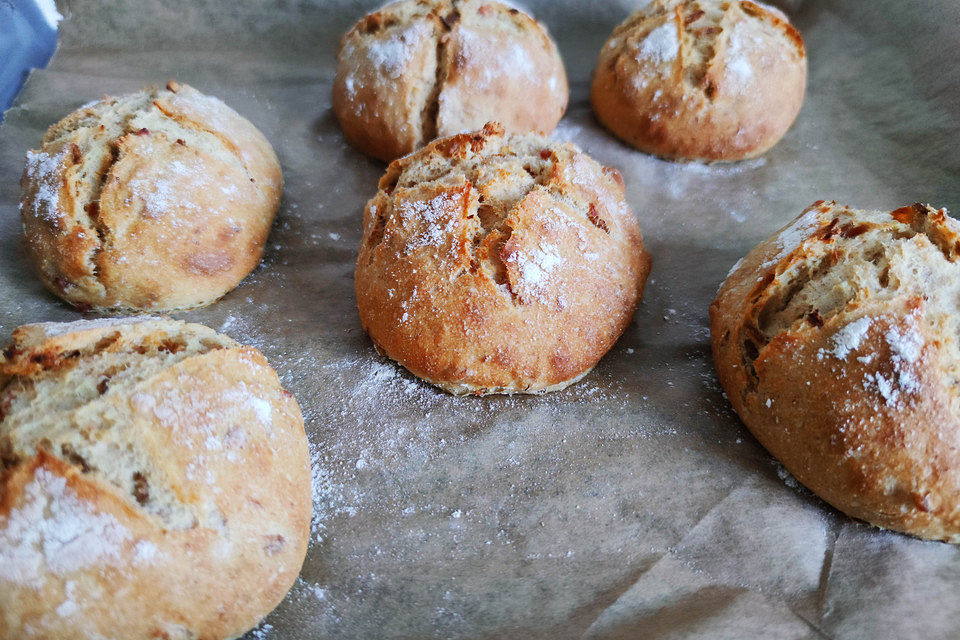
415	70
153	201
499	263
711	80
154	482
836	341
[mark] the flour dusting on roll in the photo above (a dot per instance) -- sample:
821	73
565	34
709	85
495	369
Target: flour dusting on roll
154	482
711	80
836	341
499	263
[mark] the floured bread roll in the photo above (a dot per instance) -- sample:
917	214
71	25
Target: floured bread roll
157	200
154	483
836	341
714	80
418	69
495	263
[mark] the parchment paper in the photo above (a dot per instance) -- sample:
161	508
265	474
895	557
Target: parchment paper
634	504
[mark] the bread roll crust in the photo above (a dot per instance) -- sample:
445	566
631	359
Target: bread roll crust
494	263
158	200
418	69
155	483
835	341
711	80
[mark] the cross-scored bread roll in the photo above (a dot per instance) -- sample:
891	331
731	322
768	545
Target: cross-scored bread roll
418	69
154	483
496	263
157	200
714	80
836	341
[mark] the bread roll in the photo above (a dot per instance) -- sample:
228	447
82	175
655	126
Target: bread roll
157	200
495	263
418	69
836	342
154	483
713	80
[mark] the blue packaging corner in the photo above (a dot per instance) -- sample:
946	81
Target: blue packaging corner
28	38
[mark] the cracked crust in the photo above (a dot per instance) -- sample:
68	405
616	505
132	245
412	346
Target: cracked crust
499	263
712	80
836	343
418	69
175	462
158	200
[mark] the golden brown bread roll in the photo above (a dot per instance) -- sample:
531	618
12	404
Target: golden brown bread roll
836	342
495	263
418	69
157	200
713	80
154	483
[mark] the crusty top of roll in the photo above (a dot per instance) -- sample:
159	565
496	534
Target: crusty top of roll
837	343
499	263
713	80
418	69
156	200
154	482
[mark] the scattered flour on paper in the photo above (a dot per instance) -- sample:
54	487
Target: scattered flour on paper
262	632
